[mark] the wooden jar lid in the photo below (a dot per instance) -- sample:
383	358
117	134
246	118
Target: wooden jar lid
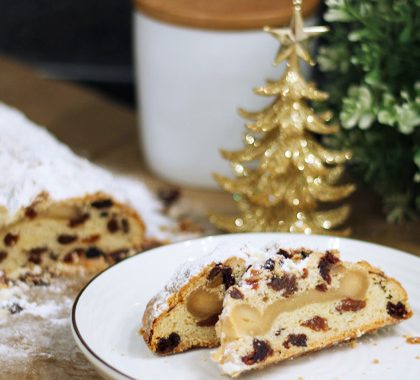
223	14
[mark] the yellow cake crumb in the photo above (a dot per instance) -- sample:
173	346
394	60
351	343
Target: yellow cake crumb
353	344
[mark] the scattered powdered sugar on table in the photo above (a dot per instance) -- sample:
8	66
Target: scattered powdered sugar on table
35	335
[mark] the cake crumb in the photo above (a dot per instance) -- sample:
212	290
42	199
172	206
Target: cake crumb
412	339
353	344
375	361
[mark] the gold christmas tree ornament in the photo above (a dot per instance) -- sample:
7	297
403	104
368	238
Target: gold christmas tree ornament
283	173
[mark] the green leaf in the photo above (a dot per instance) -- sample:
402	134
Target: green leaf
373	77
405	35
417	157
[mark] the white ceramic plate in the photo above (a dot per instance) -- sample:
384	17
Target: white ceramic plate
106	317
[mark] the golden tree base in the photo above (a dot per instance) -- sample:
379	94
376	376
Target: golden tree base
248	223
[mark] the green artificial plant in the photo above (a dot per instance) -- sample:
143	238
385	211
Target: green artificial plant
371	61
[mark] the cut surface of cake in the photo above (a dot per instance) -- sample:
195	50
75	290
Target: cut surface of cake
92	232
60	212
184	313
296	303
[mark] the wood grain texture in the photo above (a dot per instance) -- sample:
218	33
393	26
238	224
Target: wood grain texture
223	14
62	109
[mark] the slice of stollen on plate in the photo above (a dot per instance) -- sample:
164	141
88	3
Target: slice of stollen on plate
291	305
270	305
110	339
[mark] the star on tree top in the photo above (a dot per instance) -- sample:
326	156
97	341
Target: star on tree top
291	37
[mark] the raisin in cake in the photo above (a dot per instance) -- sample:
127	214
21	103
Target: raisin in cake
295	304
184	313
59	211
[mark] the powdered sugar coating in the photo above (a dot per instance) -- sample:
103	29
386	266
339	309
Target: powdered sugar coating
235	365
33	161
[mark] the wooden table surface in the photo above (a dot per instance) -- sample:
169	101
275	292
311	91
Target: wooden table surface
106	133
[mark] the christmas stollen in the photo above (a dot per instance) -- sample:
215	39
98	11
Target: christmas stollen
184	313
58	211
292	305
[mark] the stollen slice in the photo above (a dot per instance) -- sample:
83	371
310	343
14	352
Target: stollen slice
291	305
184	313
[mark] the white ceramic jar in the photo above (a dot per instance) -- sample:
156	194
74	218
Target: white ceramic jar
190	82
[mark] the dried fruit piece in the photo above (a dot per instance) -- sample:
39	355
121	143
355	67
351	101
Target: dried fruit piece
53	256
253	282
325	264
397	310
81	219
73	256
10	239
66	239
269	264
287	283
226	275
166	345
168	196
91	239
284	253
298	340
119	255
321	287
112	225
349	304
214	272
3	255
228	279
34	279
103	203
93	253
125	226
278	332
15	308
236	293
304	253
30	213
316	323
262	350
35	254
210	321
